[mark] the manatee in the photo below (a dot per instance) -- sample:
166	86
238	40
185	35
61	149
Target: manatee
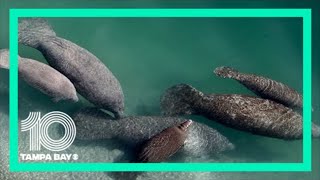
247	113
42	77
94	124
91	78
264	87
164	144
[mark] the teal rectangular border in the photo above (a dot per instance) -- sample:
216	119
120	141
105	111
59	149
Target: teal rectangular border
16	166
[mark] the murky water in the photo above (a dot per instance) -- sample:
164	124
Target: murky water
148	55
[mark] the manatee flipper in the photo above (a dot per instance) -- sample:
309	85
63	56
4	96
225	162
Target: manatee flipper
32	30
4	58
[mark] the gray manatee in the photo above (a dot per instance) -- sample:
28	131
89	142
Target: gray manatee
42	77
252	114
92	79
94	124
264	87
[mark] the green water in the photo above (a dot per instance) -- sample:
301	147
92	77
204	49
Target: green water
148	55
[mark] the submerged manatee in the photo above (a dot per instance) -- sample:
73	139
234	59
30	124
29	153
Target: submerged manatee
252	114
42	77
164	144
94	124
92	79
264	87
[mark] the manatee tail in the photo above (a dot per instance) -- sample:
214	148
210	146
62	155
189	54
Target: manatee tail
4	58
226	72
179	100
32	31
315	131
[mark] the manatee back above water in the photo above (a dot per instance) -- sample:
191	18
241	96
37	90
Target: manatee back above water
252	114
93	124
92	79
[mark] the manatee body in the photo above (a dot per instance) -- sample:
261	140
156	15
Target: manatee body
264	87
94	124
42	77
164	144
92	79
252	114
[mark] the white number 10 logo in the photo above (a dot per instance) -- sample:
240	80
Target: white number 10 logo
38	128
